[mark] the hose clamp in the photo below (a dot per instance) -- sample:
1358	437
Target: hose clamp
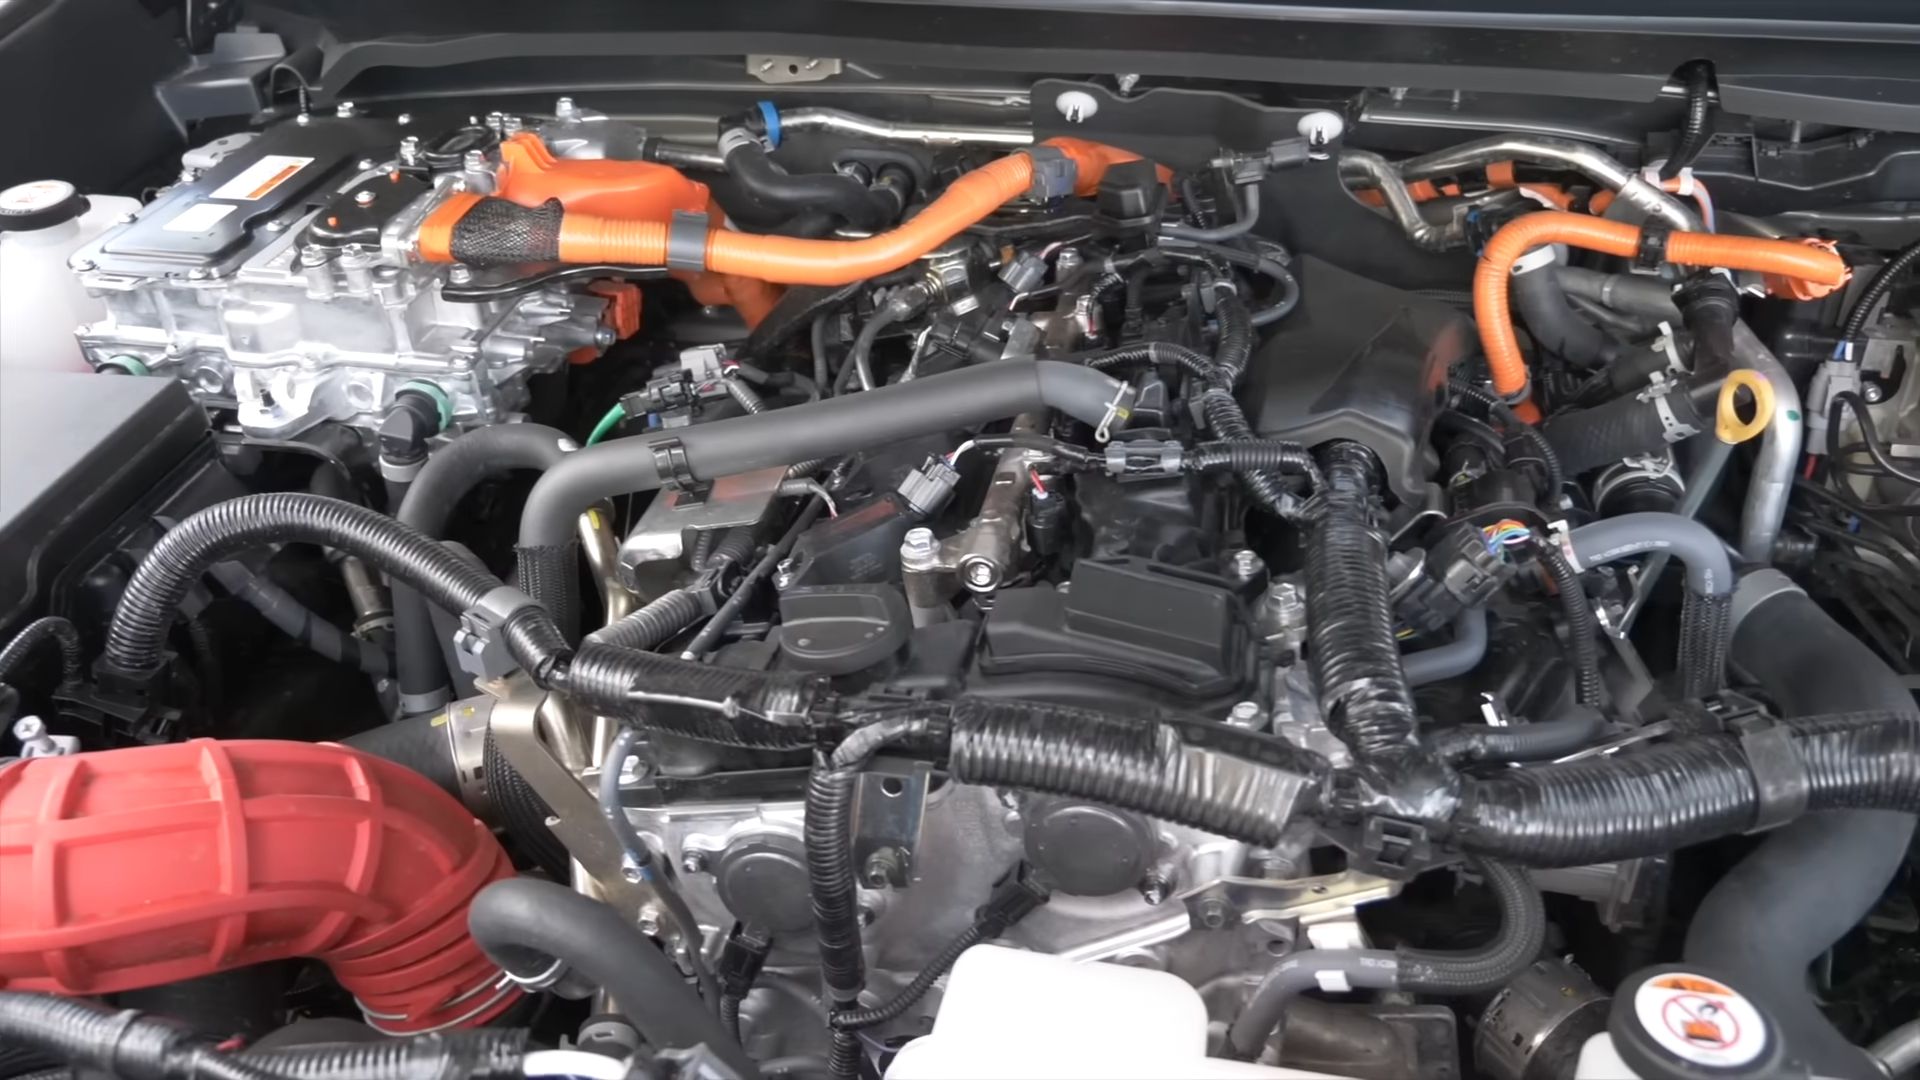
1537	259
687	241
671	464
1652	252
540	980
481	641
1779	776
1672	428
1116	410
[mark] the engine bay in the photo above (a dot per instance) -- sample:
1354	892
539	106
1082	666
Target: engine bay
1179	582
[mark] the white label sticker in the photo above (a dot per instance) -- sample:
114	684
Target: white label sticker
1700	1020
199	217
258	180
1333	982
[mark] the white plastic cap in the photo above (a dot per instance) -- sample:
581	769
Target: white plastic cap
1322	127
1076	105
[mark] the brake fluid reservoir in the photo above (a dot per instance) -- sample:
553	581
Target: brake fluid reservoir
42	224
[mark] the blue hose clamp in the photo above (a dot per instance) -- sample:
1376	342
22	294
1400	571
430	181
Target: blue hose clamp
772	117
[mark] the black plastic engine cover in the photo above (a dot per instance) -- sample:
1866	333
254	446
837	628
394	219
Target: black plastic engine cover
1131	619
1362	361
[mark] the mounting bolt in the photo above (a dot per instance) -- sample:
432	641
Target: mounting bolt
1128	81
344	110
1873	393
918	546
1247	565
1246	714
410	150
783	575
693	862
881	868
565	109
474	161
649	921
1212	913
364	198
980	574
404	119
1156	887
460	274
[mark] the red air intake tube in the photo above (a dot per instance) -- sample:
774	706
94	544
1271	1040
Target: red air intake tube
132	868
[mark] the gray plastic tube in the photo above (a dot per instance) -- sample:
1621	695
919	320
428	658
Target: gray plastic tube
840	425
1456	657
1709	569
1766	505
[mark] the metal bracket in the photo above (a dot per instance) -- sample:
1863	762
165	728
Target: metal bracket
774	69
1309	899
892	801
576	812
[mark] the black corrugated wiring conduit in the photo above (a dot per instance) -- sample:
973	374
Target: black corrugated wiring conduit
52	630
1523	925
1708	599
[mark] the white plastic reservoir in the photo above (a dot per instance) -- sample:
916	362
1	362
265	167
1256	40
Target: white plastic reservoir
42	224
1013	1013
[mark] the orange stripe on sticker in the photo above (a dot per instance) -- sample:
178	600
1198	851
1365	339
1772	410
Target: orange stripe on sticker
274	181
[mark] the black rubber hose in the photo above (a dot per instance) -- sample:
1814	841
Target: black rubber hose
831	877
1555	327
1711	306
829	428
1583	629
1350	634
525	924
1812	881
297	621
1697	130
51	629
1523	926
1544	741
137	636
1159	353
449	475
653	625
119	1043
418	742
837	193
1876	291
1622	428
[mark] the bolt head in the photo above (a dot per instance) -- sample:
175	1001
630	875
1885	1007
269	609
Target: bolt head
460	274
474	160
694	862
28	728
303	119
344	110
649	922
918	544
1245	714
364	198
1246	565
1874	393
564	108
404	119
979	574
81	265
631	874
1213	913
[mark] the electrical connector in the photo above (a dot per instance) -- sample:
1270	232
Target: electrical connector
741	958
1015	896
926	489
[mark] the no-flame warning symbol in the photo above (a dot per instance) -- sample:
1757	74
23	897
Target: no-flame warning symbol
1700	1020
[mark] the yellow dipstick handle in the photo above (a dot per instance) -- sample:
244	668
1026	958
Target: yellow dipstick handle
1728	426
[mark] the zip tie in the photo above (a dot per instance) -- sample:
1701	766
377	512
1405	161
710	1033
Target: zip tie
1115	411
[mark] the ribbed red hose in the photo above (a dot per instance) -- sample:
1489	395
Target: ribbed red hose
131	868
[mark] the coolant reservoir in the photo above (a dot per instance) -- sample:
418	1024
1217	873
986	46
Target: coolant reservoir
1013	1013
42	224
